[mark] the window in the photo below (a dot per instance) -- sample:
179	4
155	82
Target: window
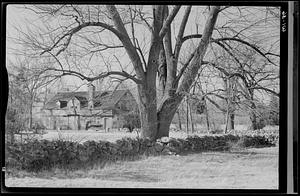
63	104
98	120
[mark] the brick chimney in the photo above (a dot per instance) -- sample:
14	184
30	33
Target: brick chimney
91	94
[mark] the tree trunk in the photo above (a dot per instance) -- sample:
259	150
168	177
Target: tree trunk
226	122
165	115
30	115
156	118
207	117
179	120
164	121
231	121
187	116
227	115
148	112
192	121
253	117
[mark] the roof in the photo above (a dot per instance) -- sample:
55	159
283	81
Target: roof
102	99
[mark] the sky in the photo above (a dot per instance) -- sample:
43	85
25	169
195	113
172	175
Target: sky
23	19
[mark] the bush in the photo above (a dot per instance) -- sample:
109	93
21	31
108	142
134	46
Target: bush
131	121
37	155
14	123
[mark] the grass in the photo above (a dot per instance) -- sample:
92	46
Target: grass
240	169
113	135
82	135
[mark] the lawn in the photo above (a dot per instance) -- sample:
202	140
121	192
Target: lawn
241	169
83	135
111	136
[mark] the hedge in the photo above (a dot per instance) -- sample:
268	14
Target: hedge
40	155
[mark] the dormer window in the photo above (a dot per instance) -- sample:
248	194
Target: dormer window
63	104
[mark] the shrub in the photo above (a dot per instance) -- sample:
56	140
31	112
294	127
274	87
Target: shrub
256	141
37	155
38	126
131	121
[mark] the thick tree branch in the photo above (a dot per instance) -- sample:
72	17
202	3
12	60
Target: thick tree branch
193	36
168	21
83	77
100	76
138	47
155	46
192	70
179	39
129	47
184	67
71	32
120	73
171	65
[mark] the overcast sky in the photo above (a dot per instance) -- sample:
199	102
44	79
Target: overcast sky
22	19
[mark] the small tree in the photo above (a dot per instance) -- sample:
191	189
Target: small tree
15	118
274	111
13	123
131	121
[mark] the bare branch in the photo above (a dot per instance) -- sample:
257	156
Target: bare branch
168	21
141	53
195	64
70	33
100	76
132	27
248	44
265	89
215	104
120	73
191	37
145	21
179	39
130	49
184	67
234	39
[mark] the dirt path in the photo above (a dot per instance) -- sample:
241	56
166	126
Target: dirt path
251	169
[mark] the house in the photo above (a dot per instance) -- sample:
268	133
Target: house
85	109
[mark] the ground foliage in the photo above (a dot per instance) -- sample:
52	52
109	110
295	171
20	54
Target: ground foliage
39	155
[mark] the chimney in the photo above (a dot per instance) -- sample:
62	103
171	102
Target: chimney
91	93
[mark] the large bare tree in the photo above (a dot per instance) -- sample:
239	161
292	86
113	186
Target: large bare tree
151	37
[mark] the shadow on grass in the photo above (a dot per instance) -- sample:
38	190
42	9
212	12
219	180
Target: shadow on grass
126	176
219	152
